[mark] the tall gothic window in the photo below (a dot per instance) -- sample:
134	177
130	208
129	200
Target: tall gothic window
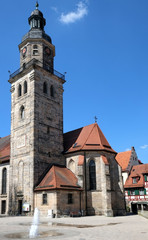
45	87
25	87
92	175
4	181
19	90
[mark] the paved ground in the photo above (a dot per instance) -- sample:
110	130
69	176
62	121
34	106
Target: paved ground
97	227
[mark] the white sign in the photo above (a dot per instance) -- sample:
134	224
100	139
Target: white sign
26	207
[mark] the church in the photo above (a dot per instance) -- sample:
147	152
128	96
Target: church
68	174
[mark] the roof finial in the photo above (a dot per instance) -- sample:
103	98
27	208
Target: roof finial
96	119
37	4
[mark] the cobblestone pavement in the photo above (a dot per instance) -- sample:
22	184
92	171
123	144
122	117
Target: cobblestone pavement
97	227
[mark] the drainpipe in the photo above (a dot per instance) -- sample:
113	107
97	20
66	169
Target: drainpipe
85	183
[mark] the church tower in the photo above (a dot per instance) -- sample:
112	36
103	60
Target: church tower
36	114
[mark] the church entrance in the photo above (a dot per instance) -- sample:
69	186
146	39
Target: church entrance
19	207
3	210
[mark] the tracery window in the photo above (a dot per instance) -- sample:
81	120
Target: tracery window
92	175
4	181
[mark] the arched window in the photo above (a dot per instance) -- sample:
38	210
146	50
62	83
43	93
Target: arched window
19	90
52	91
92	175
35	49
4	181
71	165
45	87
25	87
22	112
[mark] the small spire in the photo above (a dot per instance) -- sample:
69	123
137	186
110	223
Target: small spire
37	4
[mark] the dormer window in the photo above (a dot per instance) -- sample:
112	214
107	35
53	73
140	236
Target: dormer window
135	180
35	49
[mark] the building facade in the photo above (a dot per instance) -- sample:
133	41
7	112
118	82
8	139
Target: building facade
127	160
74	173
136	189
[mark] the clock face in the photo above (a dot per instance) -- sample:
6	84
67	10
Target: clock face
24	51
47	51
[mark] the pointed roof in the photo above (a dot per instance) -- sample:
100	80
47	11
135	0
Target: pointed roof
138	172
123	159
5	149
86	138
59	177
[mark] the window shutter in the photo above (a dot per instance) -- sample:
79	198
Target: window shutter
145	178
128	193
136	192
144	191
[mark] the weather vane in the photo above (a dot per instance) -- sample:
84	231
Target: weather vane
37	4
96	119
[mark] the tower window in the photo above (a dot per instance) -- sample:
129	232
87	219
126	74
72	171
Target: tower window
19	90
4	180
92	175
45	87
25	87
52	91
22	112
35	50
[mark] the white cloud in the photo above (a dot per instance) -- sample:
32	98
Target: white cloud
144	146
73	16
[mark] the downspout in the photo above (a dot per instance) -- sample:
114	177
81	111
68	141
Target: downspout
85	183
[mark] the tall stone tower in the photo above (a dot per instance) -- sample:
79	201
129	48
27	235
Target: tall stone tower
36	114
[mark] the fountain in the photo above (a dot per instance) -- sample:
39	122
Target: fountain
34	227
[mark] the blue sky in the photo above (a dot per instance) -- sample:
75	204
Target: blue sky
103	47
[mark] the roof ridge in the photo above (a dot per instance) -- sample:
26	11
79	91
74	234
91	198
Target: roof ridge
80	128
54	176
125	151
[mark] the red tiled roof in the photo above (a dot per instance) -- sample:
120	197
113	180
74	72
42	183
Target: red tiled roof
59	177
137	171
4	149
86	138
123	159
